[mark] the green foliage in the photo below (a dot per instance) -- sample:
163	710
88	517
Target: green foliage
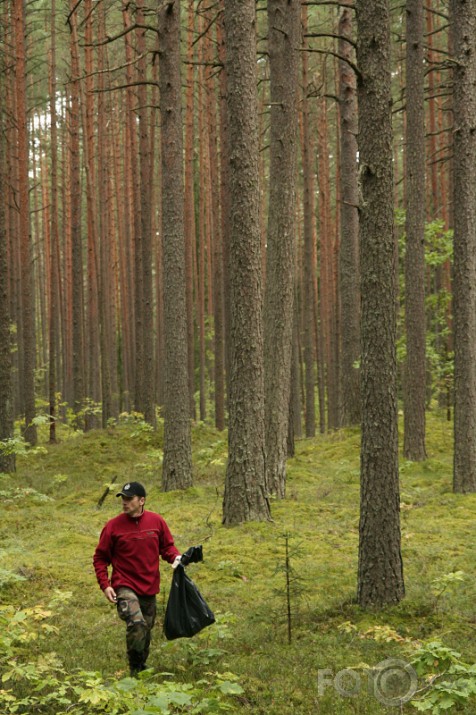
7	577
20	447
293	588
448	581
43	684
49	544
438	252
449	682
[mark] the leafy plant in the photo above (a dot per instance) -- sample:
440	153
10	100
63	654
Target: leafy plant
446	583
51	688
449	681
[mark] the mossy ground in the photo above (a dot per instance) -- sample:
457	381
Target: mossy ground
50	542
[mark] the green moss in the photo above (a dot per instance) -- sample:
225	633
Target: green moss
48	543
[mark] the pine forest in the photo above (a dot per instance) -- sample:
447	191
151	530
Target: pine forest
253	217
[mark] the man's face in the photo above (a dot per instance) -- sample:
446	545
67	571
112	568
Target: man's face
132	505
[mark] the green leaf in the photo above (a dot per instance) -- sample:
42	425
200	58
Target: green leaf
229	688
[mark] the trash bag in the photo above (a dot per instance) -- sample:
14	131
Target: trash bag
192	556
187	612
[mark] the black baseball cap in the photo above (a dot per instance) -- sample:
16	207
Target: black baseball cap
132	489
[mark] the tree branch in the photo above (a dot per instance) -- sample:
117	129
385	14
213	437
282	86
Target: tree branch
126	30
334	54
335	37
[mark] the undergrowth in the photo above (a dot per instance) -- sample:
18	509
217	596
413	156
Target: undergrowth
62	645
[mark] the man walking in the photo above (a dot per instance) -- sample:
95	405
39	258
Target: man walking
132	542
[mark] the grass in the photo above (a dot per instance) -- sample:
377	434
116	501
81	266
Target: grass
51	525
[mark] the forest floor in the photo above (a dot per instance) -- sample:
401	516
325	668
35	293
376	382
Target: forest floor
50	526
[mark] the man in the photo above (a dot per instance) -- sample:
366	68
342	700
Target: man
132	542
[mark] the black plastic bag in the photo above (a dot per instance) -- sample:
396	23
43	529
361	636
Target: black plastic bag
192	556
187	612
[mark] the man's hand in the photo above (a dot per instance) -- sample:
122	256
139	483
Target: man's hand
110	594
176	562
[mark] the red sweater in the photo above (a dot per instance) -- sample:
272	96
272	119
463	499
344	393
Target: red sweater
133	545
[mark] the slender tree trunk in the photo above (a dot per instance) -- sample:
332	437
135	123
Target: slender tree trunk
190	234
7	461
245	496
283	40
27	294
106	329
295	396
203	200
463	25
76	232
145	195
64	283
309	294
326	306
131	158
177	464
216	255
414	393
433	208
349	231
224	197
54	237
11	218
380	574
89	147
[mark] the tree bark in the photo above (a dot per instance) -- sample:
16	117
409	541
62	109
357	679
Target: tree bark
27	294
7	461
148	402
463	25
309	291
349	231
89	147
190	233
76	232
225	216
380	572
283	41
54	237
177	464
414	392
245	496
107	333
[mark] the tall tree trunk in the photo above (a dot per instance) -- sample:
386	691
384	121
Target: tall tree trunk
309	293
64	296
106	332
245	490
203	227
54	237
433	207
414	393
326	266
380	574
177	464
349	231
190	234
224	197
89	147
463	24
27	293
76	232
146	234
7	461
134	175
216	255
284	24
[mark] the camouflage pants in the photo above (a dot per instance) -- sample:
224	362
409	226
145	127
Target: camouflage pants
139	614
